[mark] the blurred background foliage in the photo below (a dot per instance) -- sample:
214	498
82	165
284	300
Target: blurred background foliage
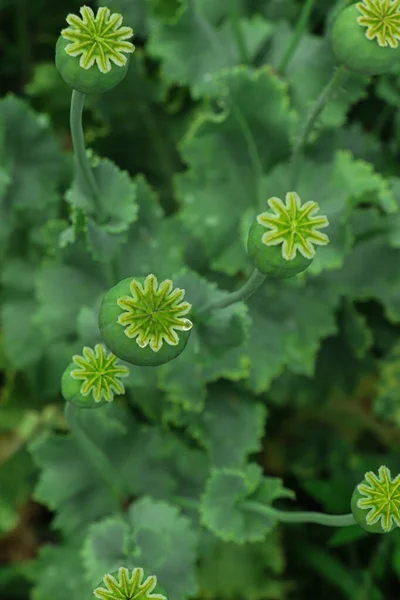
309	386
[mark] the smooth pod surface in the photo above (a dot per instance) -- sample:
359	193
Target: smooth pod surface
269	259
355	51
86	81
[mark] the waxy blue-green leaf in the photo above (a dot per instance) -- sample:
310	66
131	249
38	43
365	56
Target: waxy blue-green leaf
166	544
226	568
308	72
208	49
105	548
61	563
227	154
215	347
241	419
114	205
222	507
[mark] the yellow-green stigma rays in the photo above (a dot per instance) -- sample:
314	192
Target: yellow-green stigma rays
100	373
128	588
153	312
294	226
382	19
381	498
99	39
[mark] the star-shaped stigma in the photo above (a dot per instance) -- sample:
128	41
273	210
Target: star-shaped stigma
294	226
382	19
99	372
124	587
99	39
381	498
153	312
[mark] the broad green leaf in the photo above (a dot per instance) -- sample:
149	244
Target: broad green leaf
105	548
165	542
24	343
387	400
226	569
167	10
144	460
62	290
239	417
211	350
59	573
289	320
207	49
115	207
309	71
222	508
227	154
16	476
32	157
155	243
337	186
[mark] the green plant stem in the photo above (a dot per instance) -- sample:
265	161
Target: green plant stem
84	171
280	515
339	75
95	456
238	31
252	284
300	29
300	517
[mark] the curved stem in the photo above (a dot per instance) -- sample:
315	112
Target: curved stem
300	28
300	517
238	32
83	169
252	284
338	77
95	456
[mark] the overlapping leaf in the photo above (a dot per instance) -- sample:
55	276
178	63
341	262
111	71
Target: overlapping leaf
223	511
207	49
227	154
166	544
226	568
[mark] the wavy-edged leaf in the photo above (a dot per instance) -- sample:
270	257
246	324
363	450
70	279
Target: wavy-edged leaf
165	542
227	154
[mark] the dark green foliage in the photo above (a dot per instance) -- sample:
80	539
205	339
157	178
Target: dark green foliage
293	392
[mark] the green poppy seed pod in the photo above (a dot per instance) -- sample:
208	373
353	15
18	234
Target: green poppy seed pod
93	378
365	36
91	52
139	320
120	585
280	241
375	502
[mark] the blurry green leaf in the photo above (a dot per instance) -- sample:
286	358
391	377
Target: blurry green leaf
24	343
211	345
16	476
154	243
387	400
227	154
32	157
61	291
309	71
222	509
226	569
166	544
230	426
105	547
206	48
167	10
59	573
289	320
